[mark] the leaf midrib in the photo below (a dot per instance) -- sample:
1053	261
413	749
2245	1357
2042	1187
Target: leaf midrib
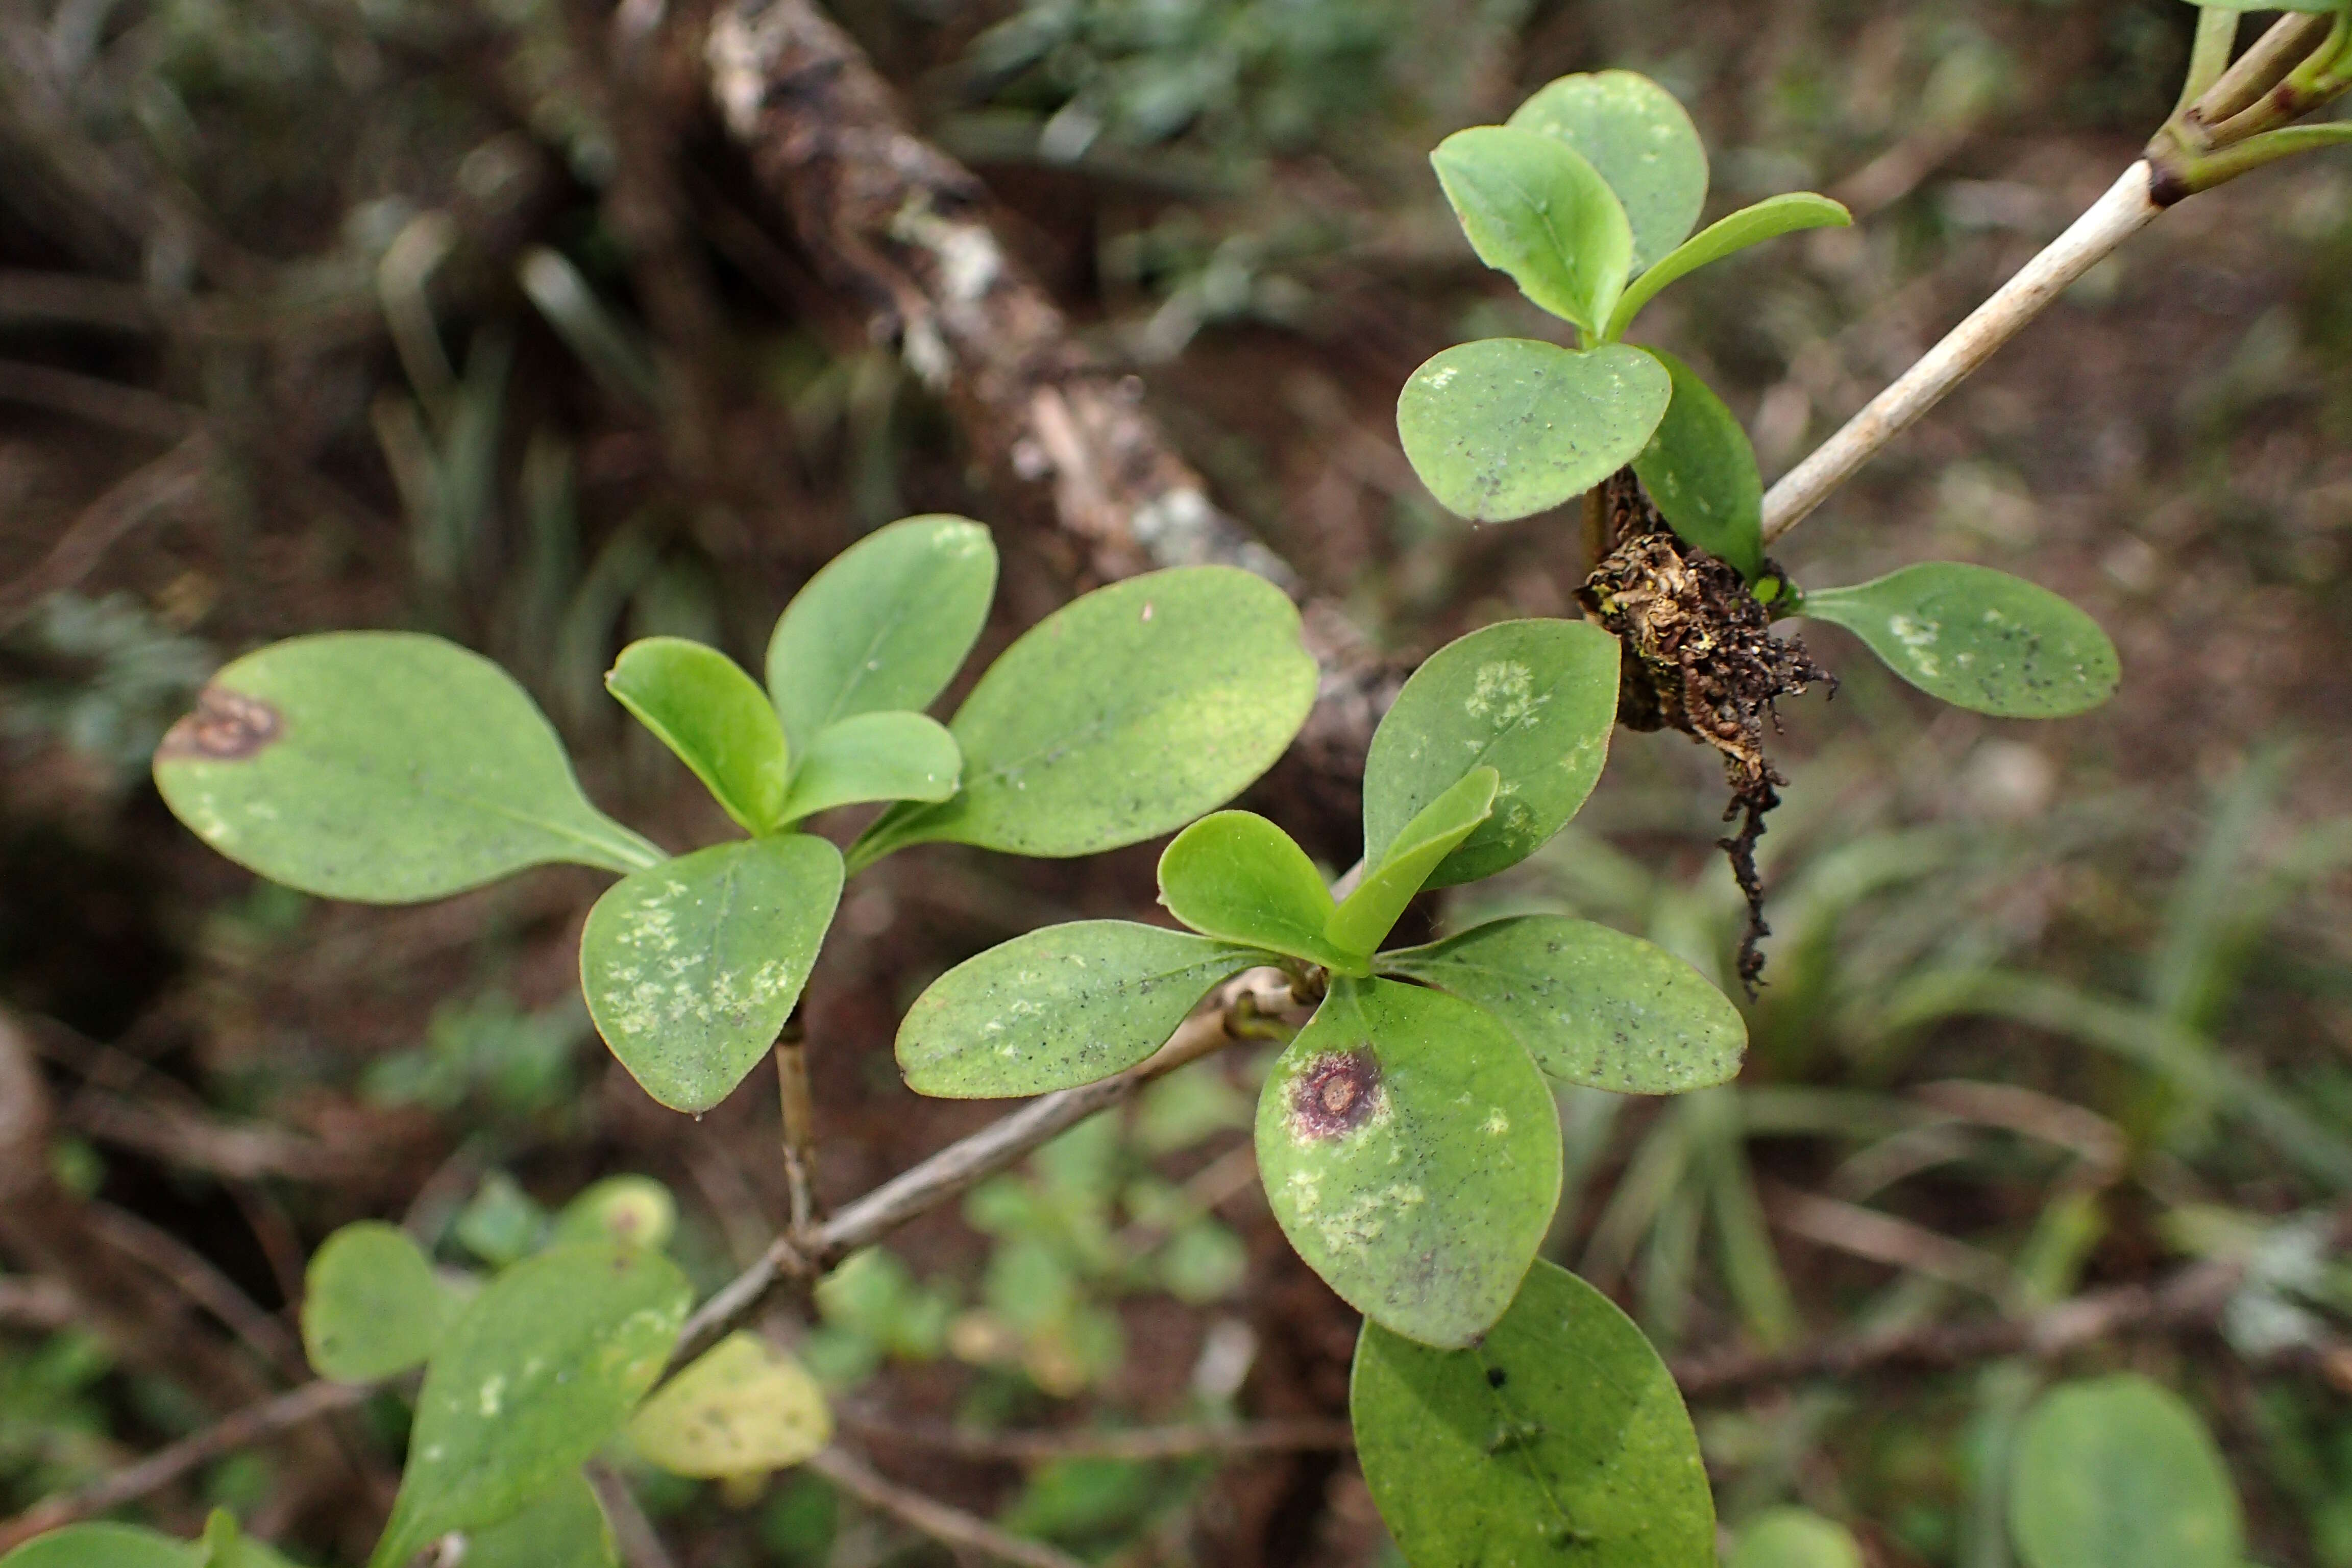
423	785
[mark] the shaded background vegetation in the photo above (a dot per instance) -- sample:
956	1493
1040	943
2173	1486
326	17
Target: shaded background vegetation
409	313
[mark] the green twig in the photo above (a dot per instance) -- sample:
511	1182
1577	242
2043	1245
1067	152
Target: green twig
2208	57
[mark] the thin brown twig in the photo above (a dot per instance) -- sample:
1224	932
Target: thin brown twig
231	1151
1227	1176
798	1113
75	299
192	1274
161	1468
950	1526
2191	1298
956	1167
1884	1239
170	481
100	402
41	1304
640	1543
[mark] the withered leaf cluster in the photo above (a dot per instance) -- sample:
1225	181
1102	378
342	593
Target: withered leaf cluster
1700	658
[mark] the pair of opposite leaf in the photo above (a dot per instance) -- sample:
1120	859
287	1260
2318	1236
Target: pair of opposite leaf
391	767
1587	198
1119	717
1406	1138
692	966
1584	198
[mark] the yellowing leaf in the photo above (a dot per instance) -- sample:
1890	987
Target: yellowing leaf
743	1407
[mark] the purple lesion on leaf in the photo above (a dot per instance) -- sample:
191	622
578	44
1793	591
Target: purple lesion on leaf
226	727
1334	1094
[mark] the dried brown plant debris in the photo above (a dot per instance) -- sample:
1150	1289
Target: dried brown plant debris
1700	658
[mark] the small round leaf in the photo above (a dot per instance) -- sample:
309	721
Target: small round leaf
1767	219
1978	639
1364	919
1533	208
1504	427
1560	1438
692	967
884	627
1795	1538
1412	1154
1640	138
1121	716
2118	1472
1059	1007
371	1305
874	756
1701	471
386	767
636	1211
744	1408
1236	876
1592	1006
714	717
1536	701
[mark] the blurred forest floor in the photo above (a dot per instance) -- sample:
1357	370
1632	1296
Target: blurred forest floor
471	317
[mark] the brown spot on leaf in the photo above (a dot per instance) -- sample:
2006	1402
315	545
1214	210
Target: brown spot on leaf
1337	1092
226	727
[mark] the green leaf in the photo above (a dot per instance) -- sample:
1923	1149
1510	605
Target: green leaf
1561	1437
884	627
1795	1538
691	968
1978	639
1404	868
1592	1006
565	1528
371	1305
1121	716
1533	208
104	1546
1412	1154
1534	700
503	1223
1640	139
1504	427
714	718
874	756
1767	219
1701	471
744	1408
544	1366
227	1546
382	766
1237	875
1058	1007
2118	1472
636	1211
2271	5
